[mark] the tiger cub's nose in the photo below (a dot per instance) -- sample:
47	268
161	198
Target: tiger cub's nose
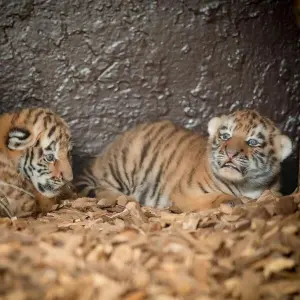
231	152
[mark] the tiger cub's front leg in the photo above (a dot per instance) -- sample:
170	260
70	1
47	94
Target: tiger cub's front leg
205	201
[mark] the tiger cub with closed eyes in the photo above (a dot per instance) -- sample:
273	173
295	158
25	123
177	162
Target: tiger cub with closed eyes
161	163
35	162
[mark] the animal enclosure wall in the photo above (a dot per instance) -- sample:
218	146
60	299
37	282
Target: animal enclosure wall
108	65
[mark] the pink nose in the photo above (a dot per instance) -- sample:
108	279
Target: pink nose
231	153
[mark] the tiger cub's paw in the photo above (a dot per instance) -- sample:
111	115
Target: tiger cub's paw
228	200
111	198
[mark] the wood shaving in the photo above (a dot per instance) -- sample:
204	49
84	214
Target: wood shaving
88	249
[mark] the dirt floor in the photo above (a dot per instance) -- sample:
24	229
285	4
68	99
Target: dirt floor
81	250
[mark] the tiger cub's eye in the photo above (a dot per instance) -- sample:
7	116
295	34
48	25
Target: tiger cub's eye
50	157
225	136
253	143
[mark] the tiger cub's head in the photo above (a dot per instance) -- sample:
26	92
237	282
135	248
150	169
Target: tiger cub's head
42	140
246	147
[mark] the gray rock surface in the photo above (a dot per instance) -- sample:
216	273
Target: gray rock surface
108	65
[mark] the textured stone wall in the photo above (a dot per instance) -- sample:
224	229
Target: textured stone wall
107	65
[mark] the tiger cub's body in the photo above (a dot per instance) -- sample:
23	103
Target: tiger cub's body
161	163
35	166
17	195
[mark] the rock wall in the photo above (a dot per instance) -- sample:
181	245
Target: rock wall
108	65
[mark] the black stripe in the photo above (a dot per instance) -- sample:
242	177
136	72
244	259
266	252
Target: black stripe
143	196
207	184
90	177
256	156
227	186
47	119
157	198
264	174
24	166
26	159
153	130
157	180
26	173
192	173
37	116
31	157
43	172
179	186
170	138
255	161
144	152
201	187
152	134
114	175
41	188
147	130
209	178
37	143
51	146
173	155
261	136
119	175
30	112
124	164
133	173
51	131
163	137
109	183
150	166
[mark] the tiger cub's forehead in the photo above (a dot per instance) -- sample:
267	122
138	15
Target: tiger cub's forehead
55	134
248	122
56	138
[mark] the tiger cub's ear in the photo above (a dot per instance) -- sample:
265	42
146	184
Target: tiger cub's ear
213	126
19	139
283	146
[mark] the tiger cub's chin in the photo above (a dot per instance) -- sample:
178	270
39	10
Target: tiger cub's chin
230	174
161	163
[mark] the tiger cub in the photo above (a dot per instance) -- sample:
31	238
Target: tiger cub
161	163
35	162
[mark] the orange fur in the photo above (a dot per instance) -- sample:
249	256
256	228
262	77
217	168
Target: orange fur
23	138
161	163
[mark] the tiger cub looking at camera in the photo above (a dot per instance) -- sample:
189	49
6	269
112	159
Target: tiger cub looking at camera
161	163
35	162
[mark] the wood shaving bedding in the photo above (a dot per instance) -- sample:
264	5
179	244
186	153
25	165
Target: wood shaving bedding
82	250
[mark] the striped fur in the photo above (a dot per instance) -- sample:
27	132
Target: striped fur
161	164
35	162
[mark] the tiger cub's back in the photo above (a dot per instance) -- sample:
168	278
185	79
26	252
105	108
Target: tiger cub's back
146	162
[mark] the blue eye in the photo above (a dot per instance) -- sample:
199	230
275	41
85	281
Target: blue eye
253	143
225	136
50	157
